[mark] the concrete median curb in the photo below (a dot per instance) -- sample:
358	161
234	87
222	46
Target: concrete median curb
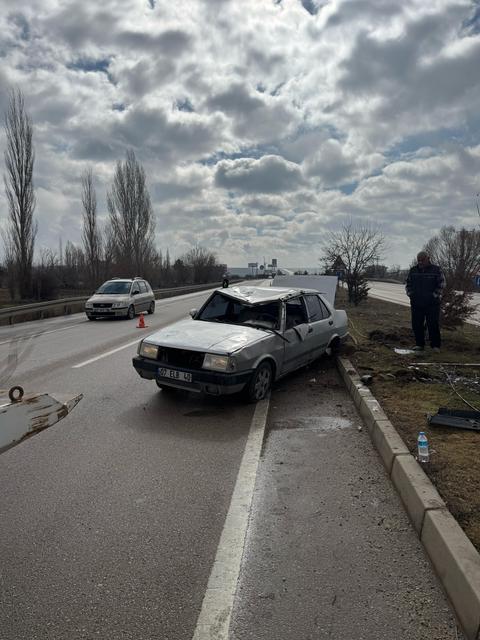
453	556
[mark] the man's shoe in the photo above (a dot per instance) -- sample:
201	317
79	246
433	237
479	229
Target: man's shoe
418	349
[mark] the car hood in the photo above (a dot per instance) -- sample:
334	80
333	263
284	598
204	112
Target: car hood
197	335
109	298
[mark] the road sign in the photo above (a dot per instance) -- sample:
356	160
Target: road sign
261	267
252	265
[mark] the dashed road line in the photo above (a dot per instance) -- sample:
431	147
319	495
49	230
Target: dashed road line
106	354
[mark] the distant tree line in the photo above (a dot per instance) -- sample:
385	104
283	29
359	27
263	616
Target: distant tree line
124	247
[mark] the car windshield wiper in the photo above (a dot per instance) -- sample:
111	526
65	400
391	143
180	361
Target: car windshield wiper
262	326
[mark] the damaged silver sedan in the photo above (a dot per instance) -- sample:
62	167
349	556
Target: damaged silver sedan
241	340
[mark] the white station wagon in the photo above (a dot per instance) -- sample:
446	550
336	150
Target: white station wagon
242	339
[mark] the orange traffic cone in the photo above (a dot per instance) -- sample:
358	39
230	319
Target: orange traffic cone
141	321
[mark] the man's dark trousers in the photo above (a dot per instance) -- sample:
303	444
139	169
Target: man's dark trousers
431	315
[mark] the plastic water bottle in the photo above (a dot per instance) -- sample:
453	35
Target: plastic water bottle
422	447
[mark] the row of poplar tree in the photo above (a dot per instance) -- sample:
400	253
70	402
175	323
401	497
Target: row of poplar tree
125	247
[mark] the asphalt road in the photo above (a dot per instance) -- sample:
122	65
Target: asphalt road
110	520
392	292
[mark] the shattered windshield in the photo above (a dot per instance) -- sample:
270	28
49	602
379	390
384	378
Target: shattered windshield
221	308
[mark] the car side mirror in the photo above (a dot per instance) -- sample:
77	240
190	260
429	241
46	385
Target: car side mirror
193	312
136	292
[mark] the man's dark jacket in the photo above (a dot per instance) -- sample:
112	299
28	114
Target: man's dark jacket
424	285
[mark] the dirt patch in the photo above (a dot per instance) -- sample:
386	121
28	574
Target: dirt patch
409	387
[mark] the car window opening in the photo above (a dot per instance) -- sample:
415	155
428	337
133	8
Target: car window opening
295	313
223	309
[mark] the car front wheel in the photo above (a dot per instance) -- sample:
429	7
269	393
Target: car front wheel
260	382
131	312
151	308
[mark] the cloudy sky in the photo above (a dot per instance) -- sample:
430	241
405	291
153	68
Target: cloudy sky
261	124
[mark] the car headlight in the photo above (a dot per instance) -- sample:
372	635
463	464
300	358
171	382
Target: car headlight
118	305
89	305
148	350
218	363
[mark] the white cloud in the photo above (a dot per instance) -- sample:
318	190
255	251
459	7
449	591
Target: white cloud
270	174
261	125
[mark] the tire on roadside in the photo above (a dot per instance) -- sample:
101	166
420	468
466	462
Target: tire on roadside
260	382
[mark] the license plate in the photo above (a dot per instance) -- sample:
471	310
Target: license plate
174	375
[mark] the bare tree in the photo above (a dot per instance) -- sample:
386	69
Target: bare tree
74	266
458	255
203	264
108	252
92	239
131	218
46	281
19	160
359	246
457	252
9	263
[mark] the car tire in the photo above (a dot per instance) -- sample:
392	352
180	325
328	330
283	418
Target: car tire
333	348
131	312
260	382
151	308
91	317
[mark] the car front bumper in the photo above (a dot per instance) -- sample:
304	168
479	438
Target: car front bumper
210	382
106	313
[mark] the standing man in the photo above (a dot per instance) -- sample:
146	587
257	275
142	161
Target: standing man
424	286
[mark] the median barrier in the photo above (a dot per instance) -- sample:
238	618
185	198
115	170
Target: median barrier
66	306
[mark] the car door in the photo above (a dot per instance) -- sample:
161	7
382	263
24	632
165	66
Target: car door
321	325
144	295
297	333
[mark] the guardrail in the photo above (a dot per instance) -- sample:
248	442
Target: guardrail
38	310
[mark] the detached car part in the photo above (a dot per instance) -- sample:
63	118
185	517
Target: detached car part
456	418
22	415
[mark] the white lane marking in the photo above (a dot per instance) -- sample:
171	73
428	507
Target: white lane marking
106	354
214	618
41	333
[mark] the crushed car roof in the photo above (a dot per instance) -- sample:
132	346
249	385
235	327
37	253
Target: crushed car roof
256	295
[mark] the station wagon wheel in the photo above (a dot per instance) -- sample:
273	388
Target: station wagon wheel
131	312
260	382
151	308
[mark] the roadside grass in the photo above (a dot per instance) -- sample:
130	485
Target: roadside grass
408	391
